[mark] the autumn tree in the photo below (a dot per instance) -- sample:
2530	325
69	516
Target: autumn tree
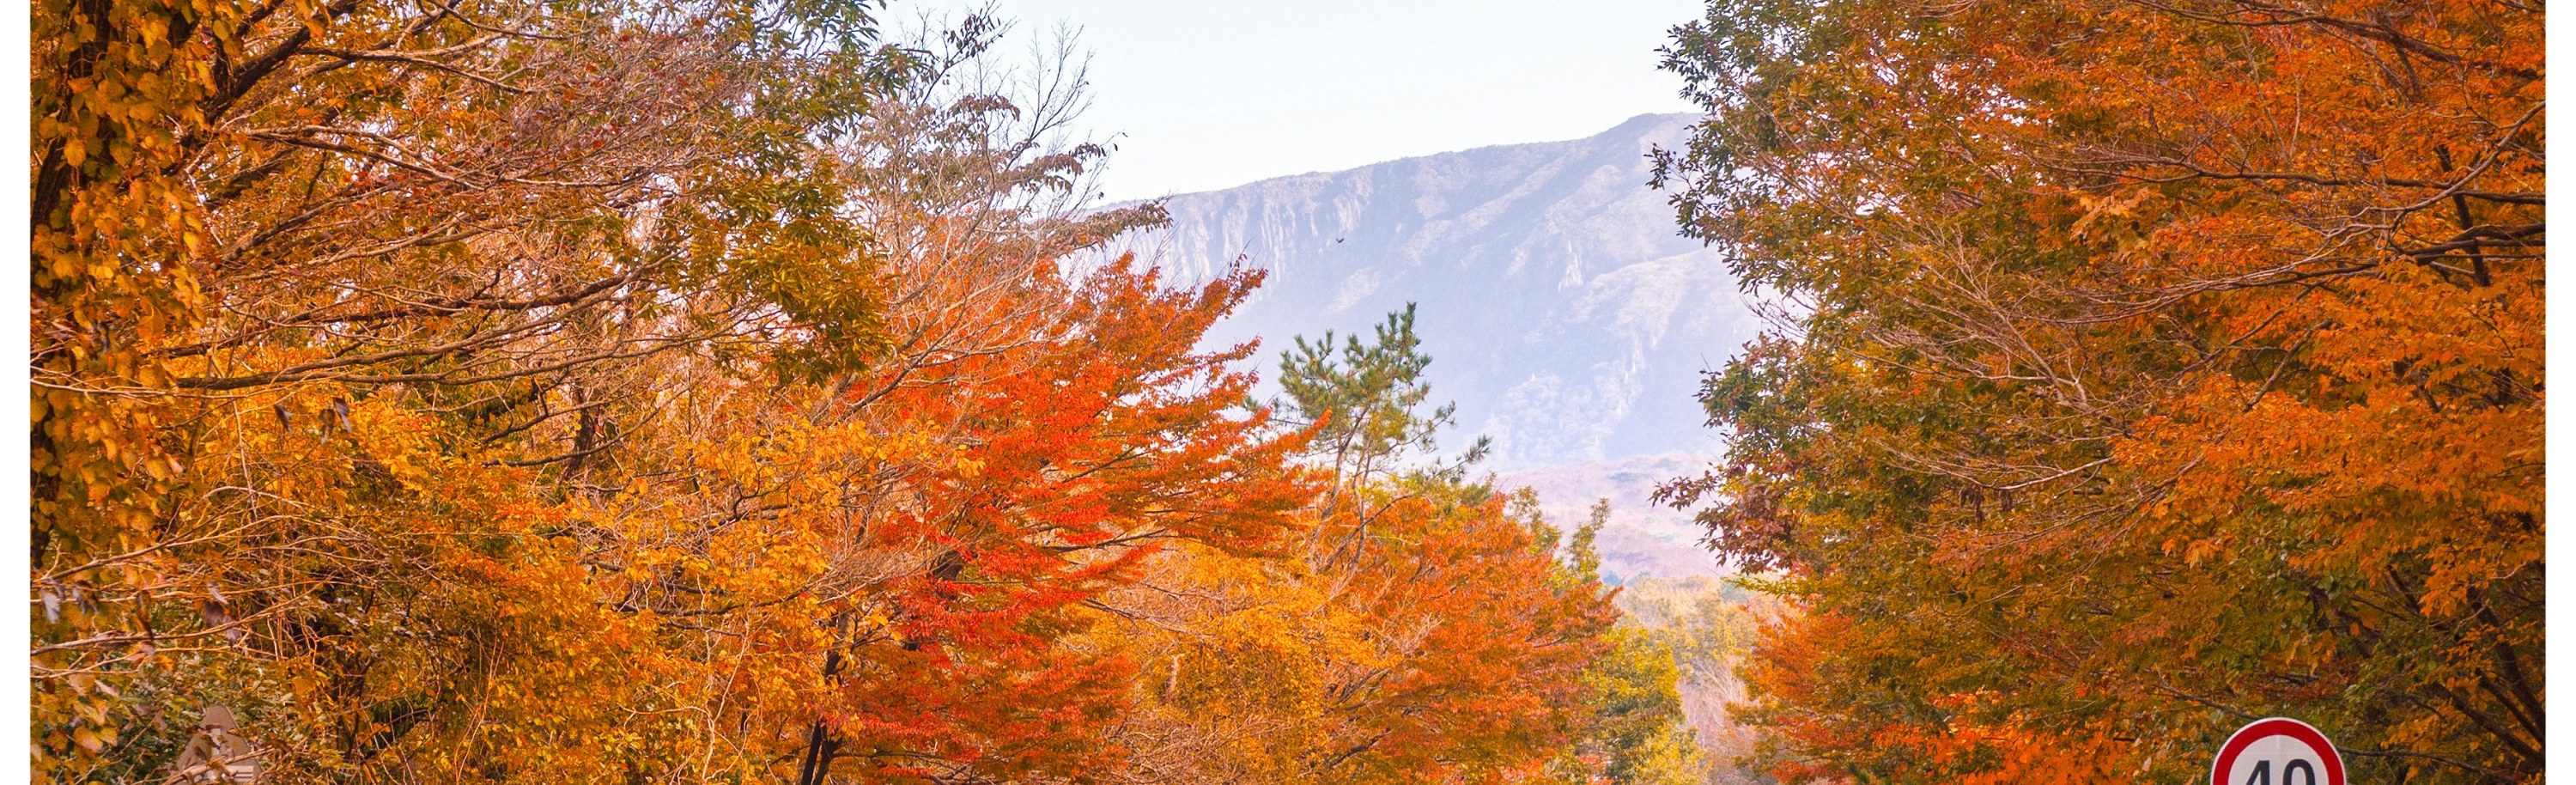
565	392
1637	734
1476	639
1033	432
1417	627
2147	367
1710	625
335	301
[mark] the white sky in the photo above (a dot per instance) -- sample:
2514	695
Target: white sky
1206	94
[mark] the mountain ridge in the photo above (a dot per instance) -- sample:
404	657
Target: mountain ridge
1564	313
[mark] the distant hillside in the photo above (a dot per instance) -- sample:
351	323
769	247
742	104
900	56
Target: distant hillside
1711	627
1643	539
1564	314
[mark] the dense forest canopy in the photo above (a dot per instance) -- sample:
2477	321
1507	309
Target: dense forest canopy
2151	366
742	391
698	391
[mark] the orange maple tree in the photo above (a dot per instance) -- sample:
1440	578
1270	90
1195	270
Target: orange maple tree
2152	366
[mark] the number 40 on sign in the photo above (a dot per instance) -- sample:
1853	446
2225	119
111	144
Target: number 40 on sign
2277	751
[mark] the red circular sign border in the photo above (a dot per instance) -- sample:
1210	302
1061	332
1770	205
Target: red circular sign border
2276	726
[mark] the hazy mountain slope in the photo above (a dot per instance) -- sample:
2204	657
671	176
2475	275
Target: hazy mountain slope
1565	315
1643	539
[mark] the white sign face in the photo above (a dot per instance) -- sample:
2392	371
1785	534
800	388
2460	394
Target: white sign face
2277	751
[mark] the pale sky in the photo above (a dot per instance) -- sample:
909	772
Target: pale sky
1207	94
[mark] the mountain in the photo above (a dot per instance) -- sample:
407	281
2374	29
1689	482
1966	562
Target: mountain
1643	539
1563	312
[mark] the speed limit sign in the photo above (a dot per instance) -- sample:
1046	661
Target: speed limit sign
2277	751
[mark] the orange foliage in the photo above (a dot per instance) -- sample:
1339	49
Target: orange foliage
579	392
2159	365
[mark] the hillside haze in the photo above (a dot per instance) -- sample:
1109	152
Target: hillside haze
1564	313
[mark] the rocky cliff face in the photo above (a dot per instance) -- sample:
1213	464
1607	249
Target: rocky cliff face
1565	315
